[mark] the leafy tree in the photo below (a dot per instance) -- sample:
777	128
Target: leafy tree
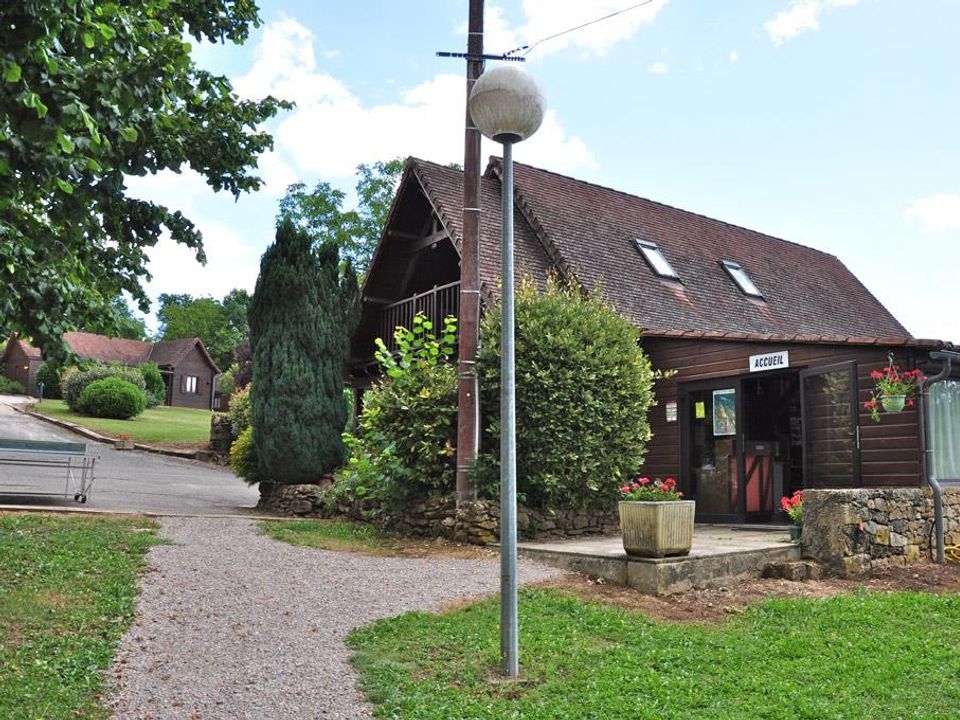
356	232
222	326
124	324
92	91
302	313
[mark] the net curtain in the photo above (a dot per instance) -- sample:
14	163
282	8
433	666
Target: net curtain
945	429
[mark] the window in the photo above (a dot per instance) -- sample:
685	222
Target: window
189	384
740	277
945	429
655	259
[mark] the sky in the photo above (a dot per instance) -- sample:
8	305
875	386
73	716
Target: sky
832	123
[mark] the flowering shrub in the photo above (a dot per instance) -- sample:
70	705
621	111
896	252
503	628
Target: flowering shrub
892	381
793	506
646	490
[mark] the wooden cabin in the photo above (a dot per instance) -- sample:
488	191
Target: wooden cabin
20	361
772	343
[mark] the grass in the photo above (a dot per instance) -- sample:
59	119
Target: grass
67	591
181	427
864	655
329	535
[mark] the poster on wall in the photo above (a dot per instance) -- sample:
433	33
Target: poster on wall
725	412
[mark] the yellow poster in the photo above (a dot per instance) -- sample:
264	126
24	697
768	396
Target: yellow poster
701	410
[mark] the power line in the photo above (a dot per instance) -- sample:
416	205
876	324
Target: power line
529	48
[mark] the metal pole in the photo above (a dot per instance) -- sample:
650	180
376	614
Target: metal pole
468	401
509	650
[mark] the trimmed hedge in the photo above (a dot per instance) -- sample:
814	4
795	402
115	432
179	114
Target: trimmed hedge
243	457
11	387
154	387
112	397
75	381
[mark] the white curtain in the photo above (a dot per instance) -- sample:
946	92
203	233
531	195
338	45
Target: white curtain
945	429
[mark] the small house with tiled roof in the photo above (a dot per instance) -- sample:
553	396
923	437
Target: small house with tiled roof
20	362
771	343
188	370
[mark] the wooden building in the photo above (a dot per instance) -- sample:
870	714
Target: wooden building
771	343
20	361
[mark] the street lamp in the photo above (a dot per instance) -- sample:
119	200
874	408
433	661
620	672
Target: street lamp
507	106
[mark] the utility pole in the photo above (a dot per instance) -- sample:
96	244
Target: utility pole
468	400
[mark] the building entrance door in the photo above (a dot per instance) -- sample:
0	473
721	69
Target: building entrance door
831	431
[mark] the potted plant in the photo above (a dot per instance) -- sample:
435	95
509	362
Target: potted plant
793	506
894	389
655	519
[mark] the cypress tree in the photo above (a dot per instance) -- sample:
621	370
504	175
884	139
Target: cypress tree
301	316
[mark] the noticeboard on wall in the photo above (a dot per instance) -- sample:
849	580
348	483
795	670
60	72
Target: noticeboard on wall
725	412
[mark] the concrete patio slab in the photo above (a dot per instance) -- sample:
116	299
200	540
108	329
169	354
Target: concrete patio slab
721	555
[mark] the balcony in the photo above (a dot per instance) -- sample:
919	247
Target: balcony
435	304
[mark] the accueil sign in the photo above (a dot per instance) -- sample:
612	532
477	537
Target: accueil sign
770	361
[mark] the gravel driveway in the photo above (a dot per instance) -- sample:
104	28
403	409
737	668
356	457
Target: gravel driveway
234	625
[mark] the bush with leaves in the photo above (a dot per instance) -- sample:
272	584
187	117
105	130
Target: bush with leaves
75	381
583	390
49	375
405	443
239	411
243	457
11	387
155	389
112	397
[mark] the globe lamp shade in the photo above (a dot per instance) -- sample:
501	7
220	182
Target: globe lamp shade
506	104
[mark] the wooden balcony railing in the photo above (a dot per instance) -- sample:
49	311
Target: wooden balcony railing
436	304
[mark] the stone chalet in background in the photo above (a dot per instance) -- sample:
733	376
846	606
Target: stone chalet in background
187	368
772	343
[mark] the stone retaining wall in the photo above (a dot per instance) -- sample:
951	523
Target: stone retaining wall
854	531
476	522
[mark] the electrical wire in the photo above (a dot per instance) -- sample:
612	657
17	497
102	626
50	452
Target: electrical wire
526	49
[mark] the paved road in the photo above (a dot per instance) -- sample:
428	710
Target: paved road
125	480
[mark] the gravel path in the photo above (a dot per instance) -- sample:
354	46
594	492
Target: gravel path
233	625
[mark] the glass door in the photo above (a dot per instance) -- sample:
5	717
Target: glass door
831	433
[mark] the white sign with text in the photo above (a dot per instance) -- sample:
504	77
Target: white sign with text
770	361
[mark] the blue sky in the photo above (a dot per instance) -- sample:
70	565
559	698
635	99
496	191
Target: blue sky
832	123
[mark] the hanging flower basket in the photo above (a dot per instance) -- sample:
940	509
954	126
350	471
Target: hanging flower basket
894	389
893	403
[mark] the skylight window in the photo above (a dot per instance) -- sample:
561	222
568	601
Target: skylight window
741	278
655	259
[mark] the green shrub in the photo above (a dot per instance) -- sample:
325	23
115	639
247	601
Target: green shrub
154	387
112	397
49	375
405	444
583	390
11	387
239	410
75	381
243	457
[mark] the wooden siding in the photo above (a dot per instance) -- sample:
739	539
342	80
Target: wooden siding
195	364
890	451
20	367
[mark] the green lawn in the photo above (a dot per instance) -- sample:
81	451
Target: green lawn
67	590
865	655
184	427
330	535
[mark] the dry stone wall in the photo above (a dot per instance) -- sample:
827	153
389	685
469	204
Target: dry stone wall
476	522
854	531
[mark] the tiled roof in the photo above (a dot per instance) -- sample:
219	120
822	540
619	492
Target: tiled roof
29	350
592	229
170	353
106	349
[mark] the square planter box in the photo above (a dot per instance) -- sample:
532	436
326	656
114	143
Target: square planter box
657	529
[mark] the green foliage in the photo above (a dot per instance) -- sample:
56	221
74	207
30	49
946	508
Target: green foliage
121	323
858	655
243	458
221	325
356	232
227	382
169	426
338	535
583	390
91	92
303	311
68	591
239	411
75	381
405	445
11	387
49	375
112	397
155	389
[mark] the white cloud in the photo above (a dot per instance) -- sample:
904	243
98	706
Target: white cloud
543	18
332	130
801	16
938	213
733	57
658	68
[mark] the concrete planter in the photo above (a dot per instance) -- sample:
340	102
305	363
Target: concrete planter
657	529
123	444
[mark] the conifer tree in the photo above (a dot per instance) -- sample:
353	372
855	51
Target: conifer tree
301	317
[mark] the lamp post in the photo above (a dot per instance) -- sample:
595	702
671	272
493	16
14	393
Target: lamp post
507	107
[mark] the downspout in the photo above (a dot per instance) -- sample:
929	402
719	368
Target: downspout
213	389
926	441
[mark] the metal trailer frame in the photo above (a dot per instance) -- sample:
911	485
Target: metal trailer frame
71	457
